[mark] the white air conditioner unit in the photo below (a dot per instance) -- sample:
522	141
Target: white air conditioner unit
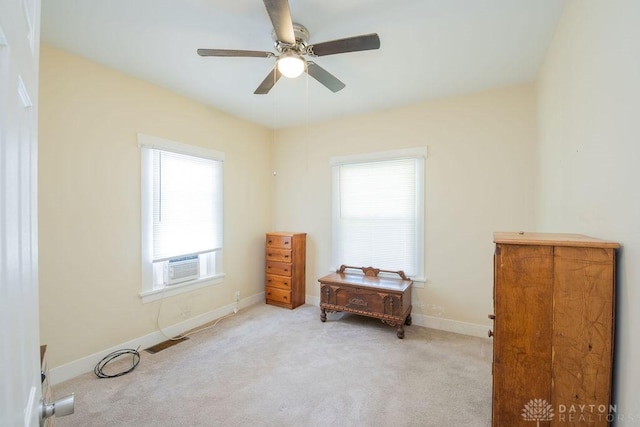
181	269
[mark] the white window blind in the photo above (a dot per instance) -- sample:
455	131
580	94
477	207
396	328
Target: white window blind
187	205
378	214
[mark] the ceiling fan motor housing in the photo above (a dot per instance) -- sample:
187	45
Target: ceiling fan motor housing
302	37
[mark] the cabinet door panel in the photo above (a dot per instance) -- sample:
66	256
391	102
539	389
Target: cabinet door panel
522	330
583	325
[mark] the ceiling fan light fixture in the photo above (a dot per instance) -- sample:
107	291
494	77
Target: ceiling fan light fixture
291	65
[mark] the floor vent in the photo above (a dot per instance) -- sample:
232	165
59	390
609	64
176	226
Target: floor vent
163	345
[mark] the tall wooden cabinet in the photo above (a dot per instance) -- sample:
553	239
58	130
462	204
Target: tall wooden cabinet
285	269
553	329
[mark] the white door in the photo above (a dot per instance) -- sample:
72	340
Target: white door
20	389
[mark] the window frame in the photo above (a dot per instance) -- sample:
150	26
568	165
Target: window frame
151	292
418	153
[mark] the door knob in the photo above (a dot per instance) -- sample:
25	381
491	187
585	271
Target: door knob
490	333
59	408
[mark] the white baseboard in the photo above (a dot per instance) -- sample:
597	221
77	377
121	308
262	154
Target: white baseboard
86	364
439	323
455	326
311	300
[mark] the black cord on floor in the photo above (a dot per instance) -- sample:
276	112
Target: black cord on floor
98	370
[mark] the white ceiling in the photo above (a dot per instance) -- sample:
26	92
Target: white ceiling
429	49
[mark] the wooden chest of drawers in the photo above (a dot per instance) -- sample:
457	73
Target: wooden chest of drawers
285	269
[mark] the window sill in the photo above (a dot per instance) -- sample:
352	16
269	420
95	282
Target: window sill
180	288
419	282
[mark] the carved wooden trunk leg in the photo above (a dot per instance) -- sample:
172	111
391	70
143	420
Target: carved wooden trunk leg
407	321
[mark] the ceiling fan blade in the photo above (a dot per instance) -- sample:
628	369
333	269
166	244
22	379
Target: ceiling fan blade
237	53
349	44
268	82
280	16
324	77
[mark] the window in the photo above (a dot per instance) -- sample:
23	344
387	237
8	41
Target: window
378	211
181	217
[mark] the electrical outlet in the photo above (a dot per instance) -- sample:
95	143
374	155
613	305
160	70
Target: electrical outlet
237	296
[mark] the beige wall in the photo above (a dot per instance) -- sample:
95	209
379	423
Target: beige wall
589	104
479	179
89	203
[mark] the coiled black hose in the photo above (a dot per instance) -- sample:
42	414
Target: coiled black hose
99	369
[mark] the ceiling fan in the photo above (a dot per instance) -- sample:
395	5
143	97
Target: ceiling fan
290	40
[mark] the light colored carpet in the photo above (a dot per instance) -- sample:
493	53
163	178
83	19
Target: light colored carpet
268	366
